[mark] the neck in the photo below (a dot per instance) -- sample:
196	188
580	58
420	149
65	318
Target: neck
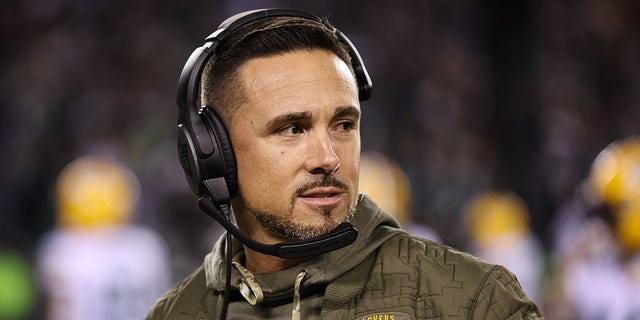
263	263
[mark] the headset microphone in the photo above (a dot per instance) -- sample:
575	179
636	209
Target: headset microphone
206	153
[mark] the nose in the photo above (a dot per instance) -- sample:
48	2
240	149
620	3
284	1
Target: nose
322	157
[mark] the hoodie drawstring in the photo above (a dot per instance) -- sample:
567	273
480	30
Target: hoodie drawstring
249	287
252	292
295	313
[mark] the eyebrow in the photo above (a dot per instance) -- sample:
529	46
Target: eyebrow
302	116
288	118
346	111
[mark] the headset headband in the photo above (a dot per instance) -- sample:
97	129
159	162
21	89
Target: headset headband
189	84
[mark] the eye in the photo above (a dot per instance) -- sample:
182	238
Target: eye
291	130
345	126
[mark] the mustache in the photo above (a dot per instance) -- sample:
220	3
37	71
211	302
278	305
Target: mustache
330	180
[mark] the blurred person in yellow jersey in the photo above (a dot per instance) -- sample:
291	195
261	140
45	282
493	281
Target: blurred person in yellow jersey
497	222
599	250
96	264
388	185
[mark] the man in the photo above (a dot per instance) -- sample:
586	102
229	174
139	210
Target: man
288	87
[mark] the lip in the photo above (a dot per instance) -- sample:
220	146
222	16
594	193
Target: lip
322	197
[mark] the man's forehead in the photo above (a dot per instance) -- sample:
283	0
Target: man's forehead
314	81
300	67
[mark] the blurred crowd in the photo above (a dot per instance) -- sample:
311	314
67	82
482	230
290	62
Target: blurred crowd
514	126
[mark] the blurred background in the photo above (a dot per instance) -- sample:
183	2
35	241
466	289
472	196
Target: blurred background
493	111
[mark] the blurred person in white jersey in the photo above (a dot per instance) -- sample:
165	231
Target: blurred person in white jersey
96	264
598	241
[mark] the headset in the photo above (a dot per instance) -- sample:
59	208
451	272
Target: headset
205	150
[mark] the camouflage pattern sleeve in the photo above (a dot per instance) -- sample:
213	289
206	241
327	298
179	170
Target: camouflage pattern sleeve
501	297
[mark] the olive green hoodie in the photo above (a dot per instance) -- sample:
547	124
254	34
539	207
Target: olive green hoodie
385	274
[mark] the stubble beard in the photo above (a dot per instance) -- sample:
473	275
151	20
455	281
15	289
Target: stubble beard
285	228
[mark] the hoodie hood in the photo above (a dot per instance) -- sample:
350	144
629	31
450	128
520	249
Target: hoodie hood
374	227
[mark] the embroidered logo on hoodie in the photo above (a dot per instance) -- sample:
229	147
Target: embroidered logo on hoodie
385	316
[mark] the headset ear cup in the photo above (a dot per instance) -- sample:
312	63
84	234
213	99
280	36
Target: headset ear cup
189	159
226	149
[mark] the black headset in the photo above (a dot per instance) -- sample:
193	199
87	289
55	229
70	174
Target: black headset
205	150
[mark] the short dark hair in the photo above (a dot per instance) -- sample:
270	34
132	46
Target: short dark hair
221	87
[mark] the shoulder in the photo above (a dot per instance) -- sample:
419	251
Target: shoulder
445	277
188	290
435	265
432	256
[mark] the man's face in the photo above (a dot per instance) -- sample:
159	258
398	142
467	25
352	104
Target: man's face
297	144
